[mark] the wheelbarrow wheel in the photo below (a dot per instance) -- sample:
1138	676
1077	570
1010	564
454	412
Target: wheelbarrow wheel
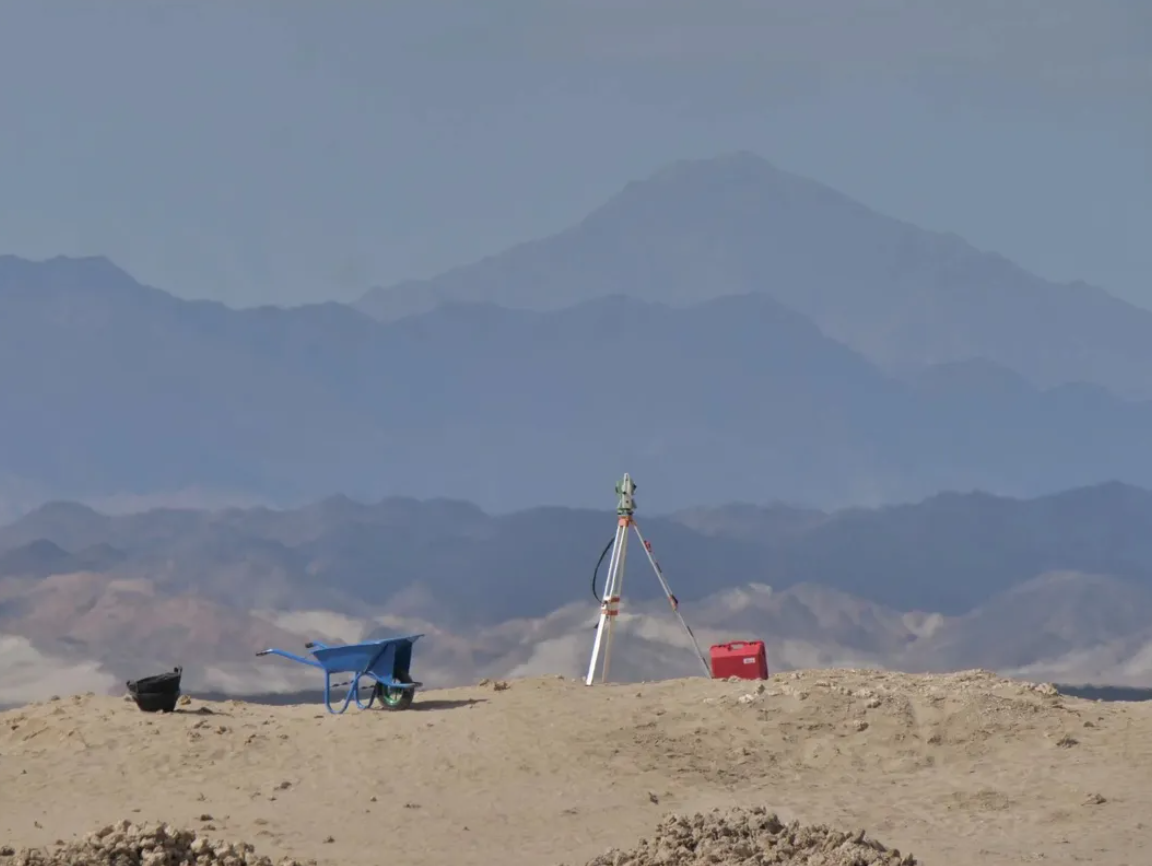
393	698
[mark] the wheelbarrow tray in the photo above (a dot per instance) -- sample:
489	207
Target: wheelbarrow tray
385	662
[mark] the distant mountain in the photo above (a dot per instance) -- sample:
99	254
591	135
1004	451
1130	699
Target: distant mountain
39	558
110	388
1058	587
904	297
1050	617
952	552
42	558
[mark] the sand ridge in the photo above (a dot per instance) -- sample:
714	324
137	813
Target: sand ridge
964	767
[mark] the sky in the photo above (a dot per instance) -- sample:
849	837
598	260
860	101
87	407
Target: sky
285	152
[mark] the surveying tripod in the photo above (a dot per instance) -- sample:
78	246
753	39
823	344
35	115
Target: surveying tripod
614	585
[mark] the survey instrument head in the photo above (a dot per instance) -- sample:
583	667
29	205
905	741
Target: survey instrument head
625	489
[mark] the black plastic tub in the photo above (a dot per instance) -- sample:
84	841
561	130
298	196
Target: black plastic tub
157	694
150	702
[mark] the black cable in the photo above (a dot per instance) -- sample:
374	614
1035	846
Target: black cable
596	570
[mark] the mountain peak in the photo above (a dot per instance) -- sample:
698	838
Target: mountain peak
735	186
59	509
737	162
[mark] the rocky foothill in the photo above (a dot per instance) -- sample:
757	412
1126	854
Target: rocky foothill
127	844
751	837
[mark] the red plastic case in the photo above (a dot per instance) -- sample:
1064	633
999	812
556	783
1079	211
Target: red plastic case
747	660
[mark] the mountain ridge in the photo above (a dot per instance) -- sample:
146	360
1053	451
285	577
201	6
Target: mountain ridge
284	405
1090	530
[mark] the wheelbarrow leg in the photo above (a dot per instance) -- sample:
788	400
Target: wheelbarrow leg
383	660
328	695
356	688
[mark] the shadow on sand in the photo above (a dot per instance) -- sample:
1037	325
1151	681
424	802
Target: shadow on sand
444	704
199	711
316	698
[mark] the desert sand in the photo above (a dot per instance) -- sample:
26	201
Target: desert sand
957	769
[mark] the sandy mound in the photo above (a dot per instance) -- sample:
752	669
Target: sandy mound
751	836
959	768
127	844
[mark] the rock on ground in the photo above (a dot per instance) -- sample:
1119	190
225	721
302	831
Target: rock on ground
126	844
751	837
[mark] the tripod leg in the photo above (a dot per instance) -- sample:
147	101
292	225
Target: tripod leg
615	598
672	600
609	604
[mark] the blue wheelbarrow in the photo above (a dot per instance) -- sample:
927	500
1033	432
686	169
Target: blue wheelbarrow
385	662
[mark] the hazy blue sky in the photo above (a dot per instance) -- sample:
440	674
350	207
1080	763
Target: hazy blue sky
280	151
